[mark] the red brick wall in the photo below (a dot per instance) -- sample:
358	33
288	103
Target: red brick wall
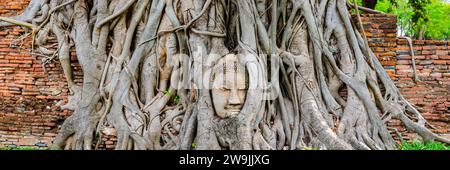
381	32
28	95
12	7
431	94
29	113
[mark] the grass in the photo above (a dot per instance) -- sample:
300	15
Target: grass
419	145
406	145
22	148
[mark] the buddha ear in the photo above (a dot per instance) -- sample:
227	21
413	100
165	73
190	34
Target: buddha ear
246	79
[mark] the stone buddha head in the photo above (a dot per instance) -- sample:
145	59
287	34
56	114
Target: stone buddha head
229	86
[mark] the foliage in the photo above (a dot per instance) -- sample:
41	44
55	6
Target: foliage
386	6
120	49
420	16
418	145
176	99
433	16
22	148
438	26
359	2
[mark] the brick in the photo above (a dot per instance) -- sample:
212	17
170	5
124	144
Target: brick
442	52
436	74
433	57
28	141
30	93
6	50
446	74
388	63
389	54
8	65
426	62
404	57
21	61
404	62
418	42
428	52
440	62
403	48
402	67
428	47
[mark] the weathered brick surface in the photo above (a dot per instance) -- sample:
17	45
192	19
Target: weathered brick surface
431	95
30	95
12	7
29	115
381	32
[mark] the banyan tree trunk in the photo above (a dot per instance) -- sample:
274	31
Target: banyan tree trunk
219	74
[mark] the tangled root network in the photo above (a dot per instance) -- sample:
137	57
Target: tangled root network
219	74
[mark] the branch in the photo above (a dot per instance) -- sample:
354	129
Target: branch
413	58
368	10
17	22
366	43
185	27
52	11
24	24
115	15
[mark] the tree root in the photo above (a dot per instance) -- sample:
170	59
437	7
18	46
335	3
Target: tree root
147	72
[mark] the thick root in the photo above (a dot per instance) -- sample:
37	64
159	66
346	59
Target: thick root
149	71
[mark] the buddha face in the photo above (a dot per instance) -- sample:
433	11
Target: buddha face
229	87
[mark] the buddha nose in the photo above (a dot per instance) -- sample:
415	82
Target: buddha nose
234	98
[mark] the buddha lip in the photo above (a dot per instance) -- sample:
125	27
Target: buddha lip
234	110
233	107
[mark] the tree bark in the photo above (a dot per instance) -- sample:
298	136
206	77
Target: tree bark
147	68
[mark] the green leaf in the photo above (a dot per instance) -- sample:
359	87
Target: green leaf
418	145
